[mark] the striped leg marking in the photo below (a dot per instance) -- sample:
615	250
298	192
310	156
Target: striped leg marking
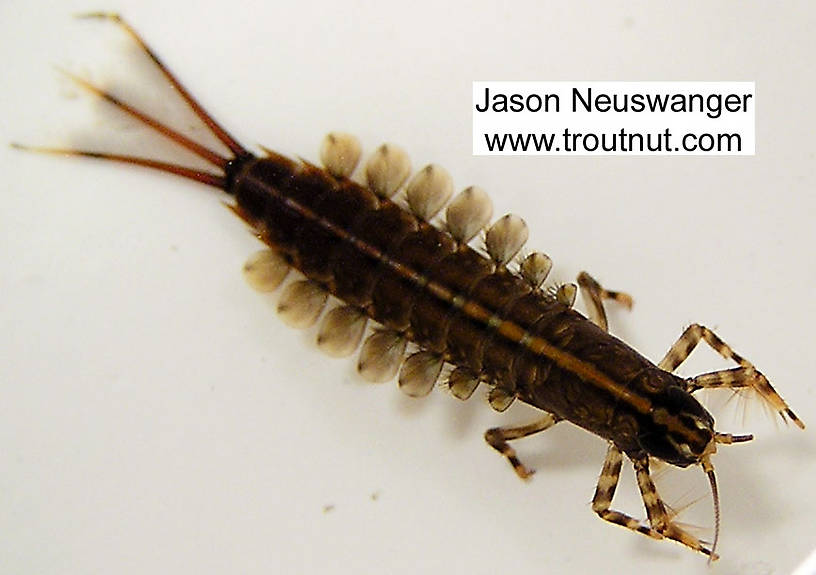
498	437
660	524
594	294
605	492
746	375
659	518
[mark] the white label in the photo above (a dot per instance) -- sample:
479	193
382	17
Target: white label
614	118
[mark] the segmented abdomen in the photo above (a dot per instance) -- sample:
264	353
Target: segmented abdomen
421	282
371	253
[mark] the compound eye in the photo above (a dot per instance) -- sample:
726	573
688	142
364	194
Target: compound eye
658	445
680	401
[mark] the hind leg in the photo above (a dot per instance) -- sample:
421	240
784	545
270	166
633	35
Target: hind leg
594	295
498	437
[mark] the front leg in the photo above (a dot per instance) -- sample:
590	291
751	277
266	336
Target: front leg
660	523
744	376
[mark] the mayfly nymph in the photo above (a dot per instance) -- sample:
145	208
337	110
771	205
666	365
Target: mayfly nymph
373	250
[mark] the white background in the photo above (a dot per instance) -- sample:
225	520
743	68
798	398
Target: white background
155	415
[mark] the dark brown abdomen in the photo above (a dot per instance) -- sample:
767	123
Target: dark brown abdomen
413	278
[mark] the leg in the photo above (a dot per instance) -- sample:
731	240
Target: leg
659	518
660	524
746	375
498	437
605	492
594	295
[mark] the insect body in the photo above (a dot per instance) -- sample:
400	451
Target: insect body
427	287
